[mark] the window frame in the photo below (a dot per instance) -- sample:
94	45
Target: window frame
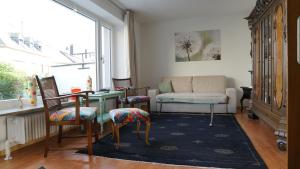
99	22
98	51
104	24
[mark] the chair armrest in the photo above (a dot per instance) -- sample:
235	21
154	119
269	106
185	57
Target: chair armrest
134	91
232	100
85	92
65	96
153	93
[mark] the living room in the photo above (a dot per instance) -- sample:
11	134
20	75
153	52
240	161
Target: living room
149	84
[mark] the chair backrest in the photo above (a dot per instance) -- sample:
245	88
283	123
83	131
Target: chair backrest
48	89
122	83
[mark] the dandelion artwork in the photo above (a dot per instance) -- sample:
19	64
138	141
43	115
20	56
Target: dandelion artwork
198	46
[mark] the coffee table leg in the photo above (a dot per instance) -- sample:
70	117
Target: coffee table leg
148	125
160	108
102	110
211	114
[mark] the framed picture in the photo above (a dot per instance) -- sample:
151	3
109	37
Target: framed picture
198	46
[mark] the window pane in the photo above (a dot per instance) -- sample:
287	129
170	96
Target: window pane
32	41
106	57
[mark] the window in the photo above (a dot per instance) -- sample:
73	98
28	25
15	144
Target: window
63	44
106	57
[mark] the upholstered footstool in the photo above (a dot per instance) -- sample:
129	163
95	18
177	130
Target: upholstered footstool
123	116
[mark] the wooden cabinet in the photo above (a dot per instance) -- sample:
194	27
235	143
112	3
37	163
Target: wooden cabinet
267	23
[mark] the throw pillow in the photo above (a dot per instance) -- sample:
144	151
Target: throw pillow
165	87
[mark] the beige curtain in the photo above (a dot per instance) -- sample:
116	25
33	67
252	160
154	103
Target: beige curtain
130	46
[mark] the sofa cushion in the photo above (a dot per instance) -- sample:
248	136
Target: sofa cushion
209	84
205	98
181	84
165	87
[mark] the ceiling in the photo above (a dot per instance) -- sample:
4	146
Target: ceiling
161	10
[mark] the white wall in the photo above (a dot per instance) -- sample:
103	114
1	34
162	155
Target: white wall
157	55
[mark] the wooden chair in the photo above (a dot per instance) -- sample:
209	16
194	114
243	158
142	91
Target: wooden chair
133	95
56	115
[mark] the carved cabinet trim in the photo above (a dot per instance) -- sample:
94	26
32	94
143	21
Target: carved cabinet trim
267	23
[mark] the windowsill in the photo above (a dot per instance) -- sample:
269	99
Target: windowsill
27	108
24	109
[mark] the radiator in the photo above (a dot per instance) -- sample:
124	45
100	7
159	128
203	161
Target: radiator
29	127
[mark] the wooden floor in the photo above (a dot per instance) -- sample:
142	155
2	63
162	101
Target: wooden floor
32	157
264	141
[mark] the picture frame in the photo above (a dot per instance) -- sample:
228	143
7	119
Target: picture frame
204	45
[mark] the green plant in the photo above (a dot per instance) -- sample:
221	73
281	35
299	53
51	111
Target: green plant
11	82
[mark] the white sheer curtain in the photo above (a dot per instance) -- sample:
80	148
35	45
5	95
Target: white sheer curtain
130	52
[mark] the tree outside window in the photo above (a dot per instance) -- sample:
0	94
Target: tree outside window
11	82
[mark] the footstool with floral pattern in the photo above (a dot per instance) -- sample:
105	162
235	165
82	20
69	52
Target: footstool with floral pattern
123	116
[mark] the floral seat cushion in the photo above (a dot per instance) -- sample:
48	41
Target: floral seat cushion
128	115
68	114
135	99
138	99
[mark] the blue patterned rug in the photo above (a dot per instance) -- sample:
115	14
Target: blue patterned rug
186	140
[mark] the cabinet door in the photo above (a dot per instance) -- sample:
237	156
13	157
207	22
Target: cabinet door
257	72
266	59
279	56
262	59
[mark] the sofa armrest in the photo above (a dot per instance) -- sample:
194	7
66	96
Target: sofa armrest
152	93
232	100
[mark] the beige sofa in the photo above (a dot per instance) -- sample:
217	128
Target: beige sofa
195	94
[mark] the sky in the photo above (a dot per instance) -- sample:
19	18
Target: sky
47	22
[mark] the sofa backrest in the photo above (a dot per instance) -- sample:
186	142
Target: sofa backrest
197	84
209	84
180	84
